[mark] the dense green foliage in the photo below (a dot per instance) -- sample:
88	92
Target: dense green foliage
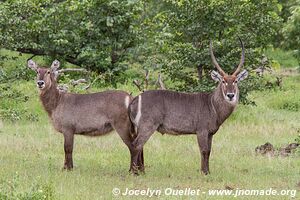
186	27
120	38
92	34
291	30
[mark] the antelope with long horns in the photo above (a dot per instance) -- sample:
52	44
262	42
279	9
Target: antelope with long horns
179	113
84	114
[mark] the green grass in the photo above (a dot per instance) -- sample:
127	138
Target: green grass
284	58
35	152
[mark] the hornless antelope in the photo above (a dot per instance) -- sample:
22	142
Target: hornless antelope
84	114
181	113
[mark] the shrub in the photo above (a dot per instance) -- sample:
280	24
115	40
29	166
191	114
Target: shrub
11	107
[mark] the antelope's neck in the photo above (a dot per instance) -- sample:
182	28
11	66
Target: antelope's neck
50	98
222	107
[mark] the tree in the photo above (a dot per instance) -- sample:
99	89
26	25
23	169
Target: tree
187	26
291	30
91	34
286	8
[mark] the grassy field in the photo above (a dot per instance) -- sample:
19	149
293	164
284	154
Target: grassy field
284	58
32	156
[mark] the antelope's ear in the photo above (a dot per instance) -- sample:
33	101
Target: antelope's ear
55	65
216	76
241	76
32	65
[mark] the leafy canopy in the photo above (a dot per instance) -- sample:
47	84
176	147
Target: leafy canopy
93	34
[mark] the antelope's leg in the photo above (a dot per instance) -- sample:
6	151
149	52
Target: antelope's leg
141	167
144	132
68	147
204	142
123	129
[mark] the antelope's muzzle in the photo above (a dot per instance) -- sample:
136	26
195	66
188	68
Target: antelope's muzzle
40	84
230	96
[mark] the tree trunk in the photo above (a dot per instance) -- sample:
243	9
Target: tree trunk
200	71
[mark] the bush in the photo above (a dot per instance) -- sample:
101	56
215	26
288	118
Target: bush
11	107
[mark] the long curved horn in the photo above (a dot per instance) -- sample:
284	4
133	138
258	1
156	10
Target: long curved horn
214	59
242	59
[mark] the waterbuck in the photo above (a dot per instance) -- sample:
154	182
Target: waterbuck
179	113
85	114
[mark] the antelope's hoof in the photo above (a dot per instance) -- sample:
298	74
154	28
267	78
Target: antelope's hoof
205	172
142	171
134	172
67	168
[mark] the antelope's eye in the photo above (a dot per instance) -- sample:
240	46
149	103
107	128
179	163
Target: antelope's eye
223	81
48	72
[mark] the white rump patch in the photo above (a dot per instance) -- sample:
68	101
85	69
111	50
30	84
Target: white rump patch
127	101
139	113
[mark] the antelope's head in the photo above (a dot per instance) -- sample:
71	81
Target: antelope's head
45	76
229	83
